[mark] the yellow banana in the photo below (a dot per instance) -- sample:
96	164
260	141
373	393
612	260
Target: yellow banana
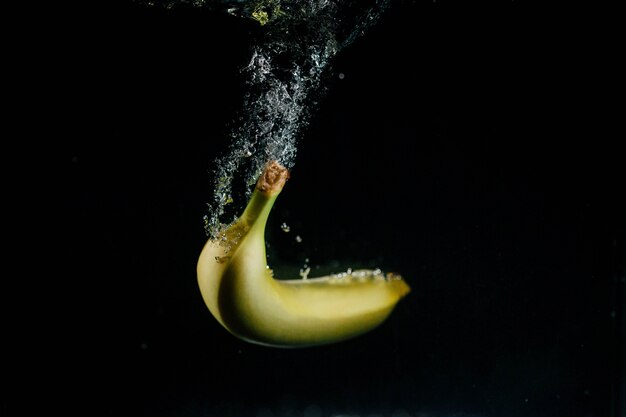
240	291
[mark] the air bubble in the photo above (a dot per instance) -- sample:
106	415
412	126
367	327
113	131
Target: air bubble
304	273
298	239
285	227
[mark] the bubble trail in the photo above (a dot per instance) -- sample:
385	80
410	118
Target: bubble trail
285	72
284	79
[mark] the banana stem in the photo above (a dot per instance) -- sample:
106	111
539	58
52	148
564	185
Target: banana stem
269	185
273	178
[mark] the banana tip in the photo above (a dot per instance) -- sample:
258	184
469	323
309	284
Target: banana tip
399	284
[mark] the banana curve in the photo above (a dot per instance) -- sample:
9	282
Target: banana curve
241	293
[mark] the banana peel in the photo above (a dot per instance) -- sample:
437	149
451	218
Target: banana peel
240	291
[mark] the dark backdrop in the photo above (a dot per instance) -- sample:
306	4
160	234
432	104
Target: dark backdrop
465	148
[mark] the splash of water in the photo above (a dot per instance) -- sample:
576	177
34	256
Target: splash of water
284	74
284	77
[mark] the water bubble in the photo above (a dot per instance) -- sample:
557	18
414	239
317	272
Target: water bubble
304	273
341	76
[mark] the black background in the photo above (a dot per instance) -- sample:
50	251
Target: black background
466	148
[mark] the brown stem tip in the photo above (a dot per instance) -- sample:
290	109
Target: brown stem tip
273	178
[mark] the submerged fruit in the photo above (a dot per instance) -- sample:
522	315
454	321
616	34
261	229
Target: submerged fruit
240	291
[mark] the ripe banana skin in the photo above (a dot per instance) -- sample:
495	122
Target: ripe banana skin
240	291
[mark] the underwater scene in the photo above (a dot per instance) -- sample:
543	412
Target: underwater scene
330	208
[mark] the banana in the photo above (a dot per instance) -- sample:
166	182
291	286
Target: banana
240	291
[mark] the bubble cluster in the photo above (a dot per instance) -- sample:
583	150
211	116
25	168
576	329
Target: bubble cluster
284	81
363	275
